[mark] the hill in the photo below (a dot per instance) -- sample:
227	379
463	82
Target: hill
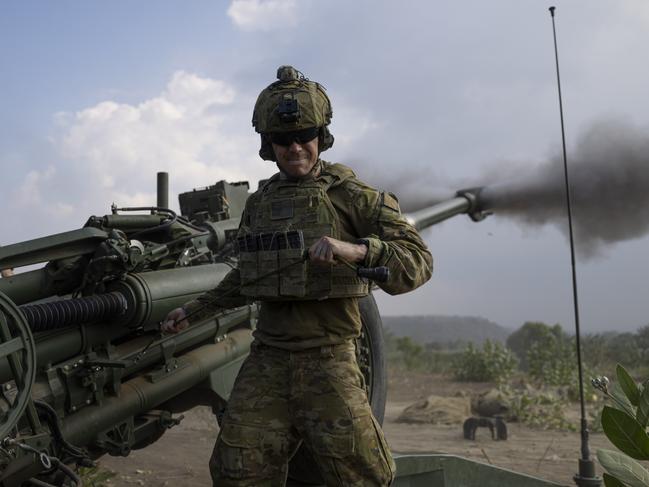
446	329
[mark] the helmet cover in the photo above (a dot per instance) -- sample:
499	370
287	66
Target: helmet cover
291	103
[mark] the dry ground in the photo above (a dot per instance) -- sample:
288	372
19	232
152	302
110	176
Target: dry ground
181	456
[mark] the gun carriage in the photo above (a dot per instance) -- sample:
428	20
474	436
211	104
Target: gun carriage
83	367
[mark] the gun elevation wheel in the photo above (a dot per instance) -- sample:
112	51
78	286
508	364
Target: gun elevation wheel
17	348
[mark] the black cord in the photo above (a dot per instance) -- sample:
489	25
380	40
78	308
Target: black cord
55	425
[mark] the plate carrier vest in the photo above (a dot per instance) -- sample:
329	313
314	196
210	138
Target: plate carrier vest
286	218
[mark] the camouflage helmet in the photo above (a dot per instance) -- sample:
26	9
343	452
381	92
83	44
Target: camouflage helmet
292	103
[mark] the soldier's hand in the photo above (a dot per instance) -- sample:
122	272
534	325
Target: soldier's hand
175	321
327	249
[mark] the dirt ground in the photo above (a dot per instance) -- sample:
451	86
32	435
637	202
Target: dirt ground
181	456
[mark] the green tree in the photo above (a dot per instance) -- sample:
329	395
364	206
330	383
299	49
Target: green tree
625	349
411	353
642	342
551	359
492	363
531	332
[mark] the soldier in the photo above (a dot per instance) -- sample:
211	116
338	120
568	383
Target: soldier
301	381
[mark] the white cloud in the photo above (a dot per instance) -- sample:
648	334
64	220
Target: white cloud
263	15
197	129
183	130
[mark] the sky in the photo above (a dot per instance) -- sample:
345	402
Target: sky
428	97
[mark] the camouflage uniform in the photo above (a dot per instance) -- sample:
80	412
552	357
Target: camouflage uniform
301	381
282	397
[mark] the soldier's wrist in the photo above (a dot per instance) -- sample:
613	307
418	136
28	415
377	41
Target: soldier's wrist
363	247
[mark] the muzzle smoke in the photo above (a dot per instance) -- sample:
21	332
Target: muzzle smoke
609	181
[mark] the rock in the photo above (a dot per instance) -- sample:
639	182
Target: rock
437	410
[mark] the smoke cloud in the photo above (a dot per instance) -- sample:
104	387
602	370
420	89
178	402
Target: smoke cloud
609	184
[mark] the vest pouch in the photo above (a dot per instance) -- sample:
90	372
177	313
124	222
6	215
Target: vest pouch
268	263
249	271
318	275
292	280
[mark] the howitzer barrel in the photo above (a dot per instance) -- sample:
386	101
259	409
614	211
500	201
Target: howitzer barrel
465	201
33	285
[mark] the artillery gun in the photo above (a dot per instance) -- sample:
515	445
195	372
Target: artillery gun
85	371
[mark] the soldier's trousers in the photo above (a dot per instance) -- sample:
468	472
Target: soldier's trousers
282	398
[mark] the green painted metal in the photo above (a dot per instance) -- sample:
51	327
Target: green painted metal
115	384
452	471
141	394
58	246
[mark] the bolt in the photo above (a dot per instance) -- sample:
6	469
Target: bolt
66	368
88	401
73	408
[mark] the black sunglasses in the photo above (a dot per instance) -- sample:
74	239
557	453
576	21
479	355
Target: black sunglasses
300	136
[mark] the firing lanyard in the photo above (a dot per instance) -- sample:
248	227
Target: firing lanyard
377	274
227	293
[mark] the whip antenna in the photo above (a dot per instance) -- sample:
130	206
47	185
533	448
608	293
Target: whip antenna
586	476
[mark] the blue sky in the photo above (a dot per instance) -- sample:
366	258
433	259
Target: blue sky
427	96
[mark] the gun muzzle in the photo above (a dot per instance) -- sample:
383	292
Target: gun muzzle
465	201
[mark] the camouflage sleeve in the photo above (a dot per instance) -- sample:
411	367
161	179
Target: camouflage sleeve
226	294
391	240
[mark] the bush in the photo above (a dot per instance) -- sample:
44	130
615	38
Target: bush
405	353
411	352
95	476
552	359
539	410
492	363
625	423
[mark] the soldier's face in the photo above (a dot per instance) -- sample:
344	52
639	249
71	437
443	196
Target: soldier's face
297	159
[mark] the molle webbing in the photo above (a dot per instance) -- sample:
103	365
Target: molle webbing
286	219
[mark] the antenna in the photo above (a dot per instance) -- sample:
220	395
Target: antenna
586	476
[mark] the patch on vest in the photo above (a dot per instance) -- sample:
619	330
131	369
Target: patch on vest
391	202
281	210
